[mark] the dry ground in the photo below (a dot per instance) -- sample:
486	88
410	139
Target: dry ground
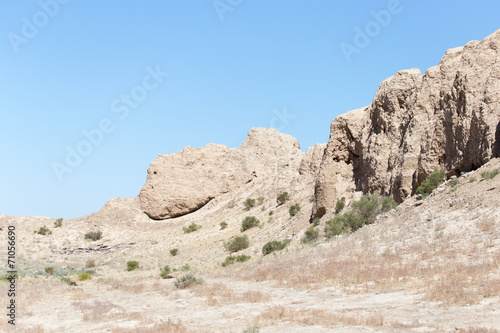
431	266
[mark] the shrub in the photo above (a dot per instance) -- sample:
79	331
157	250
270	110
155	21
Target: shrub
251	329
90	263
454	183
339	205
231	204
223	225
49	270
84	276
165	272
489	174
191	228
472	179
431	182
185	268
233	259
68	281
260	200
43	231
249	203
369	206
282	198
294	209
93	235
173	252
271	212
315	221
131	265
249	222
186	281
272	246
58	223
310	235
238	243
340	224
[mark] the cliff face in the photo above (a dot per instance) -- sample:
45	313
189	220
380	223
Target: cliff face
448	118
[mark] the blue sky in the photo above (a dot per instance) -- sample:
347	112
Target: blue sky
120	82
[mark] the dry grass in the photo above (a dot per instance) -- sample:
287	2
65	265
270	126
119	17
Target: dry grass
168	327
276	314
106	311
219	294
436	265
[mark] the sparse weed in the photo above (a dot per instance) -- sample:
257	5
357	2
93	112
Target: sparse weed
49	270
43	231
431	182
223	225
84	276
238	243
131	265
339	205
249	203
234	259
489	174
294	209
273	246
231	204
249	222
93	235
58	223
310	235
191	228
282	198
315	221
260	200
68	281
174	252
165	272
186	281
472	179
186	268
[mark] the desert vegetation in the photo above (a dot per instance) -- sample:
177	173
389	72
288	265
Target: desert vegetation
237	244
249	222
431	182
191	228
93	235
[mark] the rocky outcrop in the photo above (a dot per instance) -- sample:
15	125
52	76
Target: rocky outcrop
448	118
183	182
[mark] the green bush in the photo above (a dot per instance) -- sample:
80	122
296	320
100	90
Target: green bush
431	182
260	200
315	221
173	252
131	265
271	212
43	231
489	174
238	243
191	228
310	235
165	272
339	205
68	281
93	235
84	276
90	263
340	224
251	329
249	203
234	259
282	198
58	223
249	222
369	206
186	281
185	268
49	270
223	225
272	246
294	209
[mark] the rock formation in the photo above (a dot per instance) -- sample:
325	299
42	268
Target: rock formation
183	182
448	118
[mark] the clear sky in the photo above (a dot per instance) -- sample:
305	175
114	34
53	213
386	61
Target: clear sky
92	91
